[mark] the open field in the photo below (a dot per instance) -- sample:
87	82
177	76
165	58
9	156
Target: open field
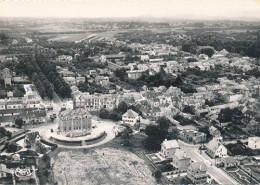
101	166
72	37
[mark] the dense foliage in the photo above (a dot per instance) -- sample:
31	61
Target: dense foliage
45	76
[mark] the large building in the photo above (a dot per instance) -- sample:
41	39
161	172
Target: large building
75	120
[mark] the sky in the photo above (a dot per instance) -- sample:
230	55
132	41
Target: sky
187	9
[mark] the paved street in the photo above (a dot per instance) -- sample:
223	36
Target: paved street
218	174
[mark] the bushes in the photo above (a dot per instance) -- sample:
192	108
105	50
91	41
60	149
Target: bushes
113	115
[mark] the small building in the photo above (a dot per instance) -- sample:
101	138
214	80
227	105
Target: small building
197	173
180	160
102	80
38	116
169	147
134	74
193	136
214	131
216	149
229	162
64	59
254	143
130	117
4	171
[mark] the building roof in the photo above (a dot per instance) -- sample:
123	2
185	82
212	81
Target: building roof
198	166
228	160
78	112
34	113
213	145
180	154
130	113
170	144
32	136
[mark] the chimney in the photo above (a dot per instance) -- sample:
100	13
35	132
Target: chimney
200	167
185	155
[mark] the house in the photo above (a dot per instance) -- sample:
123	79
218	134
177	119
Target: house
252	127
102	80
14	103
97	101
7	75
31	138
38	116
64	59
70	80
197	173
193	136
169	147
4	171
144	57
214	131
2	104
134	74
181	160
229	162
130	117
254	143
216	149
80	79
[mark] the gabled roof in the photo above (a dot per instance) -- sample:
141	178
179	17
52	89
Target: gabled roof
213	145
130	113
36	113
170	144
180	154
32	136
228	160
198	166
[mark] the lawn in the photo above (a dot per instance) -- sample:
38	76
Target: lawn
101	166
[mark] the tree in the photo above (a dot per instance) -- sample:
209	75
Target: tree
208	51
12	147
168	167
189	109
122	107
164	123
158	175
19	122
103	113
126	135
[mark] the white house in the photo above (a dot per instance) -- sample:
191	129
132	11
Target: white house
216	149
64	58
169	147
214	131
254	143
130	117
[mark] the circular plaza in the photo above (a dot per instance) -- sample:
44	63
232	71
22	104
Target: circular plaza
77	129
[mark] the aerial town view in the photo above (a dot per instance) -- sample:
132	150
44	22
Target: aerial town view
130	92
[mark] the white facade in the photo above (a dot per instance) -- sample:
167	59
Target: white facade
169	147
254	143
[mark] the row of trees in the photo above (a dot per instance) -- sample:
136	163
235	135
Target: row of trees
45	76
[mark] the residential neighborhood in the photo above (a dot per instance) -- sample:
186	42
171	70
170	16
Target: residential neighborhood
123	101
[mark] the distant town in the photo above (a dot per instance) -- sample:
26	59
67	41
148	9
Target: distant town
89	101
